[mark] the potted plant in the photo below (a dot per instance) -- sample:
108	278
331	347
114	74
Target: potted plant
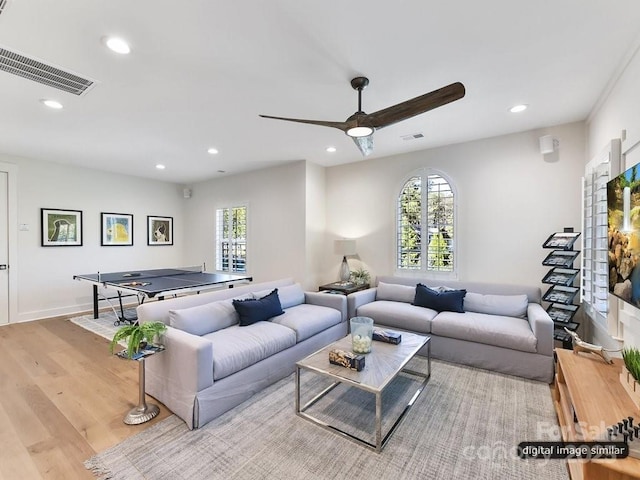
630	376
137	336
360	276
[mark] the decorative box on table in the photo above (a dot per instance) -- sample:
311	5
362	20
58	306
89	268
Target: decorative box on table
387	336
349	360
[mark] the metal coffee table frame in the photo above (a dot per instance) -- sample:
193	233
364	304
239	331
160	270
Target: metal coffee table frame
358	380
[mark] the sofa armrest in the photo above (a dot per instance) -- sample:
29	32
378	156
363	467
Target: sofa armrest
357	299
542	327
339	302
186	364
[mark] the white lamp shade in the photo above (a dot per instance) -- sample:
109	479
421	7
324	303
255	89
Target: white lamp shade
345	247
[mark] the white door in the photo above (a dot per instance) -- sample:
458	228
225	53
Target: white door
4	249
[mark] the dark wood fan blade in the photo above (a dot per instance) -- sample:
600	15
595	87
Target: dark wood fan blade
344	126
415	106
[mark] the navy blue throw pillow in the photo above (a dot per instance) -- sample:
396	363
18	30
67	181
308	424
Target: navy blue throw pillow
257	310
447	301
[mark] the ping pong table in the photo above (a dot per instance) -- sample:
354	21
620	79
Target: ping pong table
156	283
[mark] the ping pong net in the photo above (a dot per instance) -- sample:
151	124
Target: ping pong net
135	275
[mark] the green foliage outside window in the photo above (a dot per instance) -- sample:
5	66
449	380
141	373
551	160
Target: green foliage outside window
435	225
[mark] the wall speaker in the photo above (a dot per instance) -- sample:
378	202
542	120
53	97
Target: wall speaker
186	193
548	144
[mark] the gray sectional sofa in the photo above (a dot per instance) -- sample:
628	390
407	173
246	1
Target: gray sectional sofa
211	363
502	327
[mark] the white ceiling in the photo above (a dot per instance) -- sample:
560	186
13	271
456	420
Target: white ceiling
201	71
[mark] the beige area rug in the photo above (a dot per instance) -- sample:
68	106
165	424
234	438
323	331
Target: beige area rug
104	325
465	425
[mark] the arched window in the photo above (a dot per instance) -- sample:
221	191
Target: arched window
425	225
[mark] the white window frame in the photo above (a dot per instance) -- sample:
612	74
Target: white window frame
594	283
232	263
424	270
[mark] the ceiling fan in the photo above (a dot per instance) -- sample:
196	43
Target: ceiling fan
360	126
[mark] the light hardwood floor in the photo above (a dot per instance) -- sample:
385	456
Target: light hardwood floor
62	399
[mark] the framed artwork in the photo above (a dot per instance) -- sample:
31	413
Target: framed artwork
561	276
159	230
61	228
564	240
116	229
561	258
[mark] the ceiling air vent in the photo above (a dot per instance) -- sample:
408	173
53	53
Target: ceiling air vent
413	136
37	71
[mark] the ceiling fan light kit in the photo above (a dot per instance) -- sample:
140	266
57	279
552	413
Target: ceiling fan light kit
359	131
360	126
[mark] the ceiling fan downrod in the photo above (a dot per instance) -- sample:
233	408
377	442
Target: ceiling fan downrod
359	84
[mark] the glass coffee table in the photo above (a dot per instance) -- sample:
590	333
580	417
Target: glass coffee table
385	362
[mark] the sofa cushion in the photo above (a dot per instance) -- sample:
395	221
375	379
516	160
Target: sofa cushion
399	315
395	292
498	330
307	320
236	348
507	305
252	310
445	301
205	318
289	296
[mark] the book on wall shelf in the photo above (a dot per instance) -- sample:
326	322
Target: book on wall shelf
561	240
561	277
561	258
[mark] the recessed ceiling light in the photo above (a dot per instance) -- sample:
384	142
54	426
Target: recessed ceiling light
331	149
518	108
212	151
52	104
160	166
117	45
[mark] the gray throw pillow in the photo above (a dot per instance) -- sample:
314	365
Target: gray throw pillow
505	305
207	318
395	292
289	296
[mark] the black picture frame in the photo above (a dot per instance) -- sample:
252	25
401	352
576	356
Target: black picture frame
560	294
561	258
116	229
561	276
60	228
561	240
159	230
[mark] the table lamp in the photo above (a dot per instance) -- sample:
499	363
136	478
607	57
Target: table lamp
345	247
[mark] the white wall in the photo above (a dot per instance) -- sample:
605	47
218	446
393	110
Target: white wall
509	201
617	112
315	223
45	274
276	220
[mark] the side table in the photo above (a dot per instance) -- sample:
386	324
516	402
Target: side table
143	412
344	288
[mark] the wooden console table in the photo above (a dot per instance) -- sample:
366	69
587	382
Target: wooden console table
588	397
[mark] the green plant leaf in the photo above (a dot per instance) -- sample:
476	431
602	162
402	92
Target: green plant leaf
134	334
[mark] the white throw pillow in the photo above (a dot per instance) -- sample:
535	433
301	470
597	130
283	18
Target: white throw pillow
207	318
395	292
505	305
289	296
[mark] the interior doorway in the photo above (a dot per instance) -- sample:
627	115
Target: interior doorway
8	243
4	247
